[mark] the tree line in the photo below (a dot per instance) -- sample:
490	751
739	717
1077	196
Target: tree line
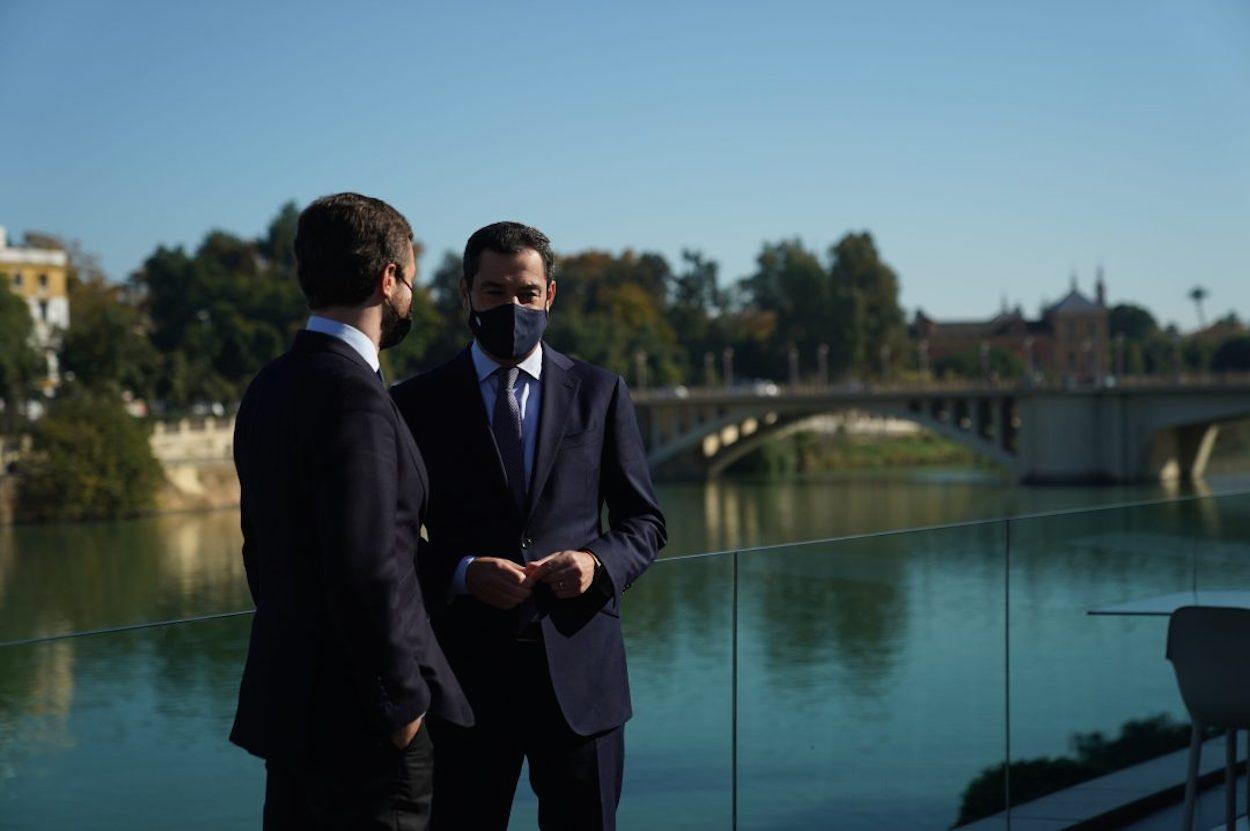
191	327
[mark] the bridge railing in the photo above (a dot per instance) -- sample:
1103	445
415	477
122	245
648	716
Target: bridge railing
764	389
883	680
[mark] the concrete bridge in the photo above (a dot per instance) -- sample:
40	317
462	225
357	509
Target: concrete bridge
1132	432
1140	430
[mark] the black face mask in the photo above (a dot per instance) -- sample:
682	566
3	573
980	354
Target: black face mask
508	331
394	326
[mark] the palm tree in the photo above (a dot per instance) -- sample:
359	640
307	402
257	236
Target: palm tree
1198	294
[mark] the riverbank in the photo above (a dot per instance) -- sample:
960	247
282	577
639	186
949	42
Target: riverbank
839	450
829	452
199	473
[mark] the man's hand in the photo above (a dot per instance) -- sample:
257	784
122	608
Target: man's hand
403	737
568	573
497	582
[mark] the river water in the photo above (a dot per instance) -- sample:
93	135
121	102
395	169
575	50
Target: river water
872	674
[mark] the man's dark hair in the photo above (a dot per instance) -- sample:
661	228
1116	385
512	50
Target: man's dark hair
506	238
343	242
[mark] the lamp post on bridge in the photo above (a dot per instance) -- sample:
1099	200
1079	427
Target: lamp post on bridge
922	357
984	351
822	364
1029	369
1120	358
1176	355
640	369
793	357
885	361
727	365
709	369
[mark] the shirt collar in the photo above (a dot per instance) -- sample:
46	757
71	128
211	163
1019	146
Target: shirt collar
485	365
350	335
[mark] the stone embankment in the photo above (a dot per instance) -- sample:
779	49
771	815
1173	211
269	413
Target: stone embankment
196	454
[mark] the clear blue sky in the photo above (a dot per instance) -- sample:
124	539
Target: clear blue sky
991	147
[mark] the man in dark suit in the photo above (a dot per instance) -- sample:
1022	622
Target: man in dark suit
524	447
342	665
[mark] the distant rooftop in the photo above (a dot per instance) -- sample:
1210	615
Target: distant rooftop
1074	302
29	255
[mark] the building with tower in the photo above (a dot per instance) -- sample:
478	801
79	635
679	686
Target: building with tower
1069	342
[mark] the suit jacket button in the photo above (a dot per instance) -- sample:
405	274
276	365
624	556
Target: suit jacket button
527	542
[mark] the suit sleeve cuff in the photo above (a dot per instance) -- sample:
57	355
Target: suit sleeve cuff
458	585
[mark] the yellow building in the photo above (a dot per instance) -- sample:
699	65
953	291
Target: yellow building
39	275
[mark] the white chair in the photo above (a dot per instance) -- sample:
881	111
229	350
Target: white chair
1210	651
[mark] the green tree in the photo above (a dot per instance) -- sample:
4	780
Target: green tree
1134	322
1096	755
610	308
698	310
1198	294
791	286
219	315
969	363
878	328
278	244
451	329
1160	352
91	460
106	347
1233	355
22	366
851	306
445	285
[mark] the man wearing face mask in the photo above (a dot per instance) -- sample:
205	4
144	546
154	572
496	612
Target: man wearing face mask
524	447
342	666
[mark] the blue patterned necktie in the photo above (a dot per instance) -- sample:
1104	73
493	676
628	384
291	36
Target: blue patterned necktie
506	425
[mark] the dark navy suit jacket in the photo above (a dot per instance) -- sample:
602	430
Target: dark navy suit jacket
589	453
333	494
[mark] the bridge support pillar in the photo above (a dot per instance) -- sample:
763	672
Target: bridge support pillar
1183	453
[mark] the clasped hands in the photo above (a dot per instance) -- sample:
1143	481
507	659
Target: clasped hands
505	584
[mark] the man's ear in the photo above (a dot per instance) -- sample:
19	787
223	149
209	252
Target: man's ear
464	295
388	280
551	294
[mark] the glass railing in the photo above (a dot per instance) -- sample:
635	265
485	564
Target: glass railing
881	681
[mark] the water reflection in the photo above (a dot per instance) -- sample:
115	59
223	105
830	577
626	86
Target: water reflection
125	730
871	673
74	577
733	514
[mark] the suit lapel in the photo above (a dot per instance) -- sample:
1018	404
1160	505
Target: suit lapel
470	411
559	389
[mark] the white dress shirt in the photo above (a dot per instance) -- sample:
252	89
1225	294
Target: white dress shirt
528	395
350	335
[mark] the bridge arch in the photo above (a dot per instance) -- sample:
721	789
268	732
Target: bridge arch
722	439
1137	431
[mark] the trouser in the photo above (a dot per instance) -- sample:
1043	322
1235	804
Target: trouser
379	787
577	778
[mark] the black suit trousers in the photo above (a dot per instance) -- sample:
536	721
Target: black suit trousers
577	778
378	788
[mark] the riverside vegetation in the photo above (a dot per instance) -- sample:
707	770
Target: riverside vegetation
189	329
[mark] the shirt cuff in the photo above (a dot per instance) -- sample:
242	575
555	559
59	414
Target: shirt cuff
457	580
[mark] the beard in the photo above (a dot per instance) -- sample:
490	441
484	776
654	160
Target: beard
395	327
